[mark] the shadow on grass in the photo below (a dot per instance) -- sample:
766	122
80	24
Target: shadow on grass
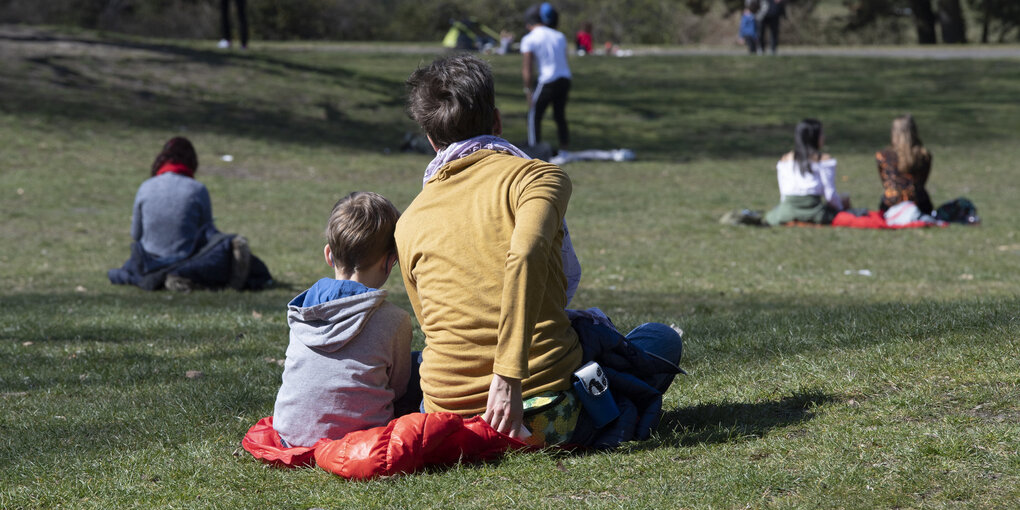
142	366
744	327
57	83
658	106
732	421
116	317
208	56
165	412
764	325
652	111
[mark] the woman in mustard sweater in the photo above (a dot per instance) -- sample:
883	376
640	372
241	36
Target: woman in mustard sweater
479	251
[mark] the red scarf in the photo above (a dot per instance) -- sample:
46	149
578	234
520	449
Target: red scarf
176	168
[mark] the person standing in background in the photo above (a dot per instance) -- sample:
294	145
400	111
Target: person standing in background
546	47
749	27
242	20
768	17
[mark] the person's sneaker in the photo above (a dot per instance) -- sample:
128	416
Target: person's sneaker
241	264
730	218
178	283
223	44
742	217
749	217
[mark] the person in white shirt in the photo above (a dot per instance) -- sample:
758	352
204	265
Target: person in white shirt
546	47
807	180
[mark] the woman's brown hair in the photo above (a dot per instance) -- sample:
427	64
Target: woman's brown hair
453	99
907	143
176	150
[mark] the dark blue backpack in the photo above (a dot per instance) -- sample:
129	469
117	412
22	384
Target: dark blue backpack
960	210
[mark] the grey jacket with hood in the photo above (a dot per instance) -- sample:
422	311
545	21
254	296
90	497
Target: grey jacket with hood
347	361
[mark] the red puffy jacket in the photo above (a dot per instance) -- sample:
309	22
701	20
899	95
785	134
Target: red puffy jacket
405	445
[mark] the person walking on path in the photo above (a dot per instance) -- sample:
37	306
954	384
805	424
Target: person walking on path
242	21
546	47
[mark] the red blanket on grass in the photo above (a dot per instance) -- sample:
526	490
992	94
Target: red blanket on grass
405	445
873	219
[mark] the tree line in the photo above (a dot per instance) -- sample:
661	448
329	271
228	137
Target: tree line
941	19
631	21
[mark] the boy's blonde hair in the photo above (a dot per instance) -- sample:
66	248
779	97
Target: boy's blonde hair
360	230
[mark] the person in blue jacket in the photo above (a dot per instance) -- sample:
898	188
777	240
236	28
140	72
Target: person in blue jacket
749	27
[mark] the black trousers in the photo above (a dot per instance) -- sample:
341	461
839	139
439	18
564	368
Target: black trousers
242	19
769	24
752	44
555	93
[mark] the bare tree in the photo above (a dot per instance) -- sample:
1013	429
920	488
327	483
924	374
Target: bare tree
954	27
924	20
1005	14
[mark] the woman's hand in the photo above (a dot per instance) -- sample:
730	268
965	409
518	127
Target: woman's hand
845	198
504	411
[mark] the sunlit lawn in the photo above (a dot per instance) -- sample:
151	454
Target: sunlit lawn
810	384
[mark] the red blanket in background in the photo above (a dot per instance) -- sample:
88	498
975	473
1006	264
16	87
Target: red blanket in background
405	445
873	219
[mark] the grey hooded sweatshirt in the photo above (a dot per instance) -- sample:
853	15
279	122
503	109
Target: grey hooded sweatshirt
349	358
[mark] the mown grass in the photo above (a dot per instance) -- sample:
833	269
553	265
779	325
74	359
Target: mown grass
808	386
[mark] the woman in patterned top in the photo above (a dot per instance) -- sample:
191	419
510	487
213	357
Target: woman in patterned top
904	167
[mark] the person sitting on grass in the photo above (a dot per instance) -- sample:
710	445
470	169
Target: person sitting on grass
480	254
807	180
349	358
904	167
583	39
176	245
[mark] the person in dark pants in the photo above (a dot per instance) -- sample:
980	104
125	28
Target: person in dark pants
545	47
242	20
771	11
749	27
556	93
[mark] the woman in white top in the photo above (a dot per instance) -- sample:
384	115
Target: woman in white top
807	180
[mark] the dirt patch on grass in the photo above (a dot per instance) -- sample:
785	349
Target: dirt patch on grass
995	413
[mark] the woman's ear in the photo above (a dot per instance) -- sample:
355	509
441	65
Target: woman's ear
433	144
326	252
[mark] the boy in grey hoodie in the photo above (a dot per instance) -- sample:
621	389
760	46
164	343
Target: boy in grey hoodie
349	356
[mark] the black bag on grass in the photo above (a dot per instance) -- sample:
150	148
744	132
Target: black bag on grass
960	210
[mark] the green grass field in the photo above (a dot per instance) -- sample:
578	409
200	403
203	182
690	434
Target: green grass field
808	386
